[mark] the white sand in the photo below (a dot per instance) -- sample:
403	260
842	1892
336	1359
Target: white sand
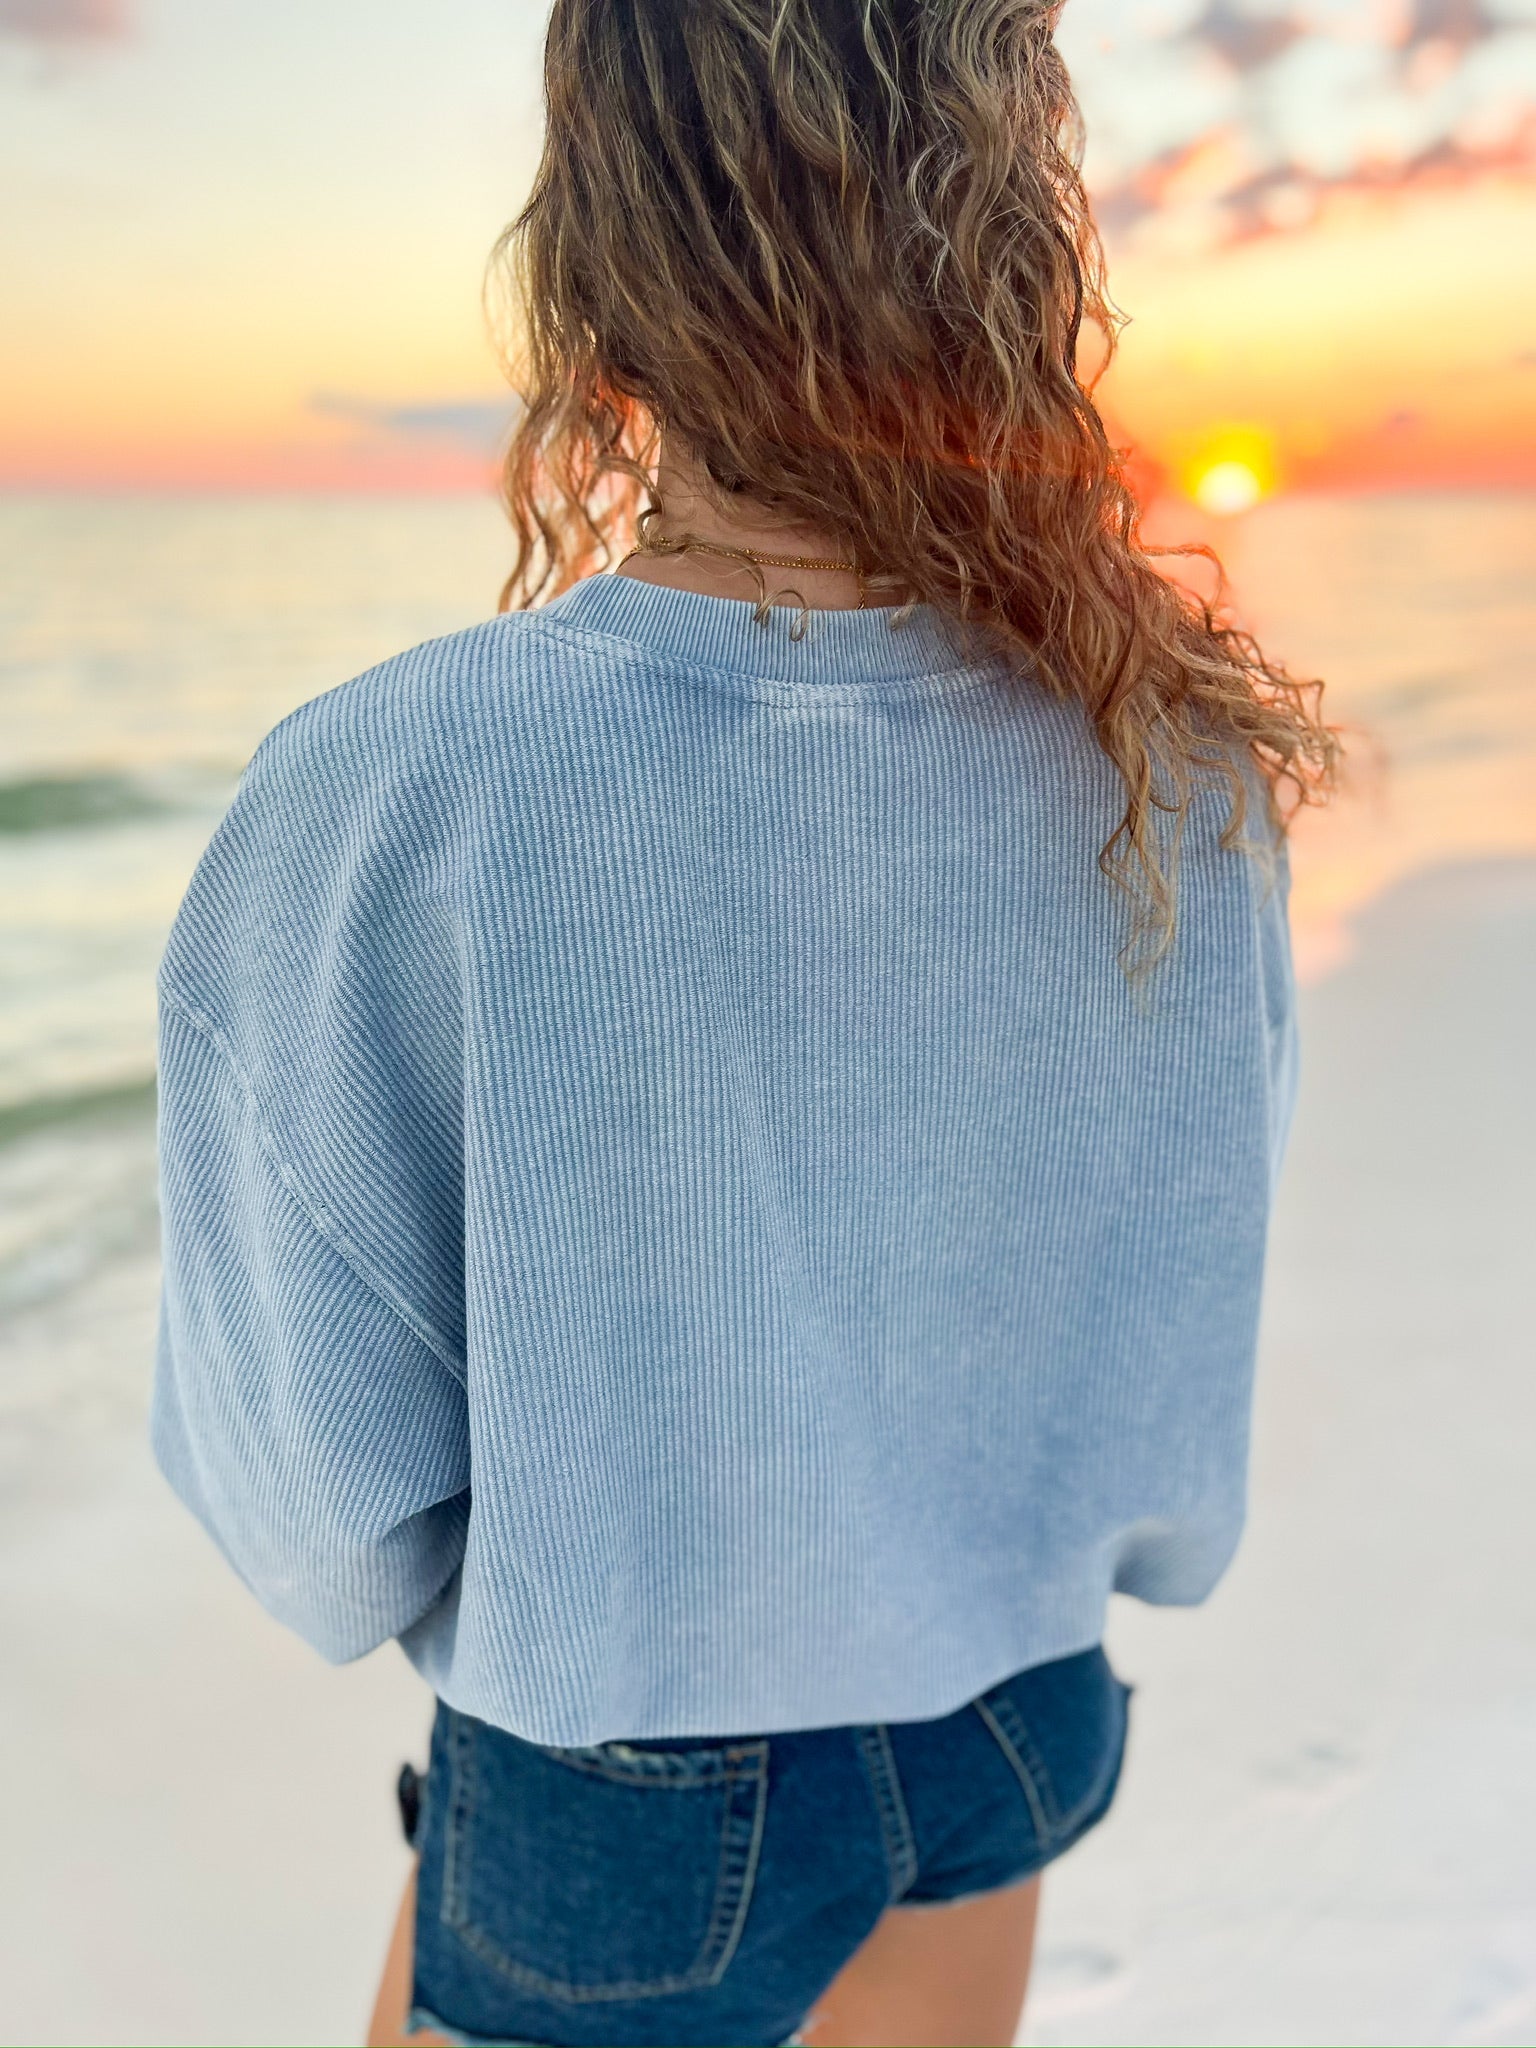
1327	1833
1328	1828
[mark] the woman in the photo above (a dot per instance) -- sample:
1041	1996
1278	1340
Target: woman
717	1130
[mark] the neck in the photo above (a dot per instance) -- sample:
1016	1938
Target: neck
693	506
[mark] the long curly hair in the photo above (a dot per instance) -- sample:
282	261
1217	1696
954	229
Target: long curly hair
842	252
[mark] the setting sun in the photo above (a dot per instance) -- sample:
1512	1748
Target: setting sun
1227	467
1228	487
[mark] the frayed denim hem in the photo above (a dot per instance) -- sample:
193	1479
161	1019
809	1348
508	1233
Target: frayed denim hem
421	2018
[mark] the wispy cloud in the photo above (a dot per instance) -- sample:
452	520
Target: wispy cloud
1212	121
1245	41
477	424
65	21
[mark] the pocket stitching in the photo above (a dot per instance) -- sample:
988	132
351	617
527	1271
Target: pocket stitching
1015	1741
1107	1774
901	1859
734	1883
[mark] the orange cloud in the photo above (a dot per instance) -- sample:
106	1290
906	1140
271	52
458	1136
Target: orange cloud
1388	346
1212	172
1260	112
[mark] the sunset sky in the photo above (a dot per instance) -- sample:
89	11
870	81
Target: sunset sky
242	244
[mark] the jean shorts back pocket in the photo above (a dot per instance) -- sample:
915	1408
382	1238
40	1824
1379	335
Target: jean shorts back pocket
1062	1729
607	1872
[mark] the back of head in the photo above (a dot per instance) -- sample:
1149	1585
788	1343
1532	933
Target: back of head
841	252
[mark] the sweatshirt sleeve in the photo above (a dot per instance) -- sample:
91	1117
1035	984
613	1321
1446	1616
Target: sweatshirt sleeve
309	1397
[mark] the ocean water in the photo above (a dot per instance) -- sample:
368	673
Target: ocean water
147	644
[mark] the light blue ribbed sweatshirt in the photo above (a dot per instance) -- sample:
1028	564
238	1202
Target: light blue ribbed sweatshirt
670	1206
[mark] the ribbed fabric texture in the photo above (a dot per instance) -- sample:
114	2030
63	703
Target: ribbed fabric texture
670	1205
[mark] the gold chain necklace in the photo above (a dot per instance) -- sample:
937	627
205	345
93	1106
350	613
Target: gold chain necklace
771	561
646	546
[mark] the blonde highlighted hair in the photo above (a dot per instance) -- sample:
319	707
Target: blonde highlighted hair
841	251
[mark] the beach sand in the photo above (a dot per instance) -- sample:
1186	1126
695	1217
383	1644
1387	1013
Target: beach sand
1327	1830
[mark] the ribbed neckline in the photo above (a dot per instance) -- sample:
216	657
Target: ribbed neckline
844	654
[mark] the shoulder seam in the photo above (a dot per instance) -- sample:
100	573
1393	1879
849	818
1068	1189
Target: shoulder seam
319	1218
310	705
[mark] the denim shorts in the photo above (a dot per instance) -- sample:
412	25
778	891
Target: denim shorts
701	1890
